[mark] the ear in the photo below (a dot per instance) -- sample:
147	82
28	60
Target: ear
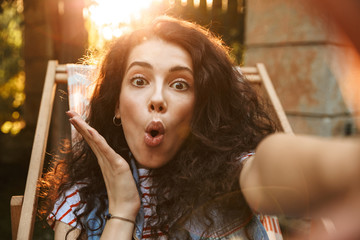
117	110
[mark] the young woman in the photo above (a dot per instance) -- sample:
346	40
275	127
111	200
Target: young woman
170	123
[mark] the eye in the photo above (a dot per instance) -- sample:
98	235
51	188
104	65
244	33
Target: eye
139	81
180	85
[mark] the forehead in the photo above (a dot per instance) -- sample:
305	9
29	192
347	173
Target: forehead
159	52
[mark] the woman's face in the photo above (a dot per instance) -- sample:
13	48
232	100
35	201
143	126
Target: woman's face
156	101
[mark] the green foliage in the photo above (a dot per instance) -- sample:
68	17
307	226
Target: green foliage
10	41
12	79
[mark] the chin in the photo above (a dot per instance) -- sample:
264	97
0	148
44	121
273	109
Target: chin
149	162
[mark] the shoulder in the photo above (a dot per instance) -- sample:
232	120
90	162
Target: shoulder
65	206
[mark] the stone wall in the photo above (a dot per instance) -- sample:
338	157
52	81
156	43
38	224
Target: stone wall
296	48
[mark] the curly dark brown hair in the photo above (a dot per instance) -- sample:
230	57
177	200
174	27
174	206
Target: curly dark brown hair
229	119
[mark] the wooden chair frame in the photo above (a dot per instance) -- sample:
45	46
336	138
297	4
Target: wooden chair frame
257	75
23	208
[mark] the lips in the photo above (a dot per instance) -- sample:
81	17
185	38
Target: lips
154	133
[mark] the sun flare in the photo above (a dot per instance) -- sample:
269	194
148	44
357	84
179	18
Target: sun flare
108	19
114	11
112	17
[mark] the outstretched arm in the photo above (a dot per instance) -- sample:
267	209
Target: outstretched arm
295	175
122	193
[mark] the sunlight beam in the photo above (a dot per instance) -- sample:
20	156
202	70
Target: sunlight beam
112	17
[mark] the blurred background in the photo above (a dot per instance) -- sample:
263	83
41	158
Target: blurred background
297	45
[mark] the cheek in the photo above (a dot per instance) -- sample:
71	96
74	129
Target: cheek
129	113
189	108
128	104
185	112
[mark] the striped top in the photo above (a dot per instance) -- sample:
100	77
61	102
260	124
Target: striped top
272	227
64	207
149	208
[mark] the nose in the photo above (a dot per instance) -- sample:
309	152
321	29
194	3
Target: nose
157	101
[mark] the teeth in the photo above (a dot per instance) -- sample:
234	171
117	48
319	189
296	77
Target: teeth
154	133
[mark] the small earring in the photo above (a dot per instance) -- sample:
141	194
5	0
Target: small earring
117	121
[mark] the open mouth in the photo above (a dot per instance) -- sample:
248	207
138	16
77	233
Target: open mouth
154	133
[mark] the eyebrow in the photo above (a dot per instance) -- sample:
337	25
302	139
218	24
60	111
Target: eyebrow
148	65
141	64
180	68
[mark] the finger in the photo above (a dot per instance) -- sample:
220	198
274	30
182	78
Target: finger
71	113
104	158
113	158
97	142
90	135
76	120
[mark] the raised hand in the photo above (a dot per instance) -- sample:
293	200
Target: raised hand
122	193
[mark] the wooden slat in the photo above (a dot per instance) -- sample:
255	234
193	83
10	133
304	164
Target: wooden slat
250	73
61	68
15	208
249	70
28	211
61	77
253	78
274	99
